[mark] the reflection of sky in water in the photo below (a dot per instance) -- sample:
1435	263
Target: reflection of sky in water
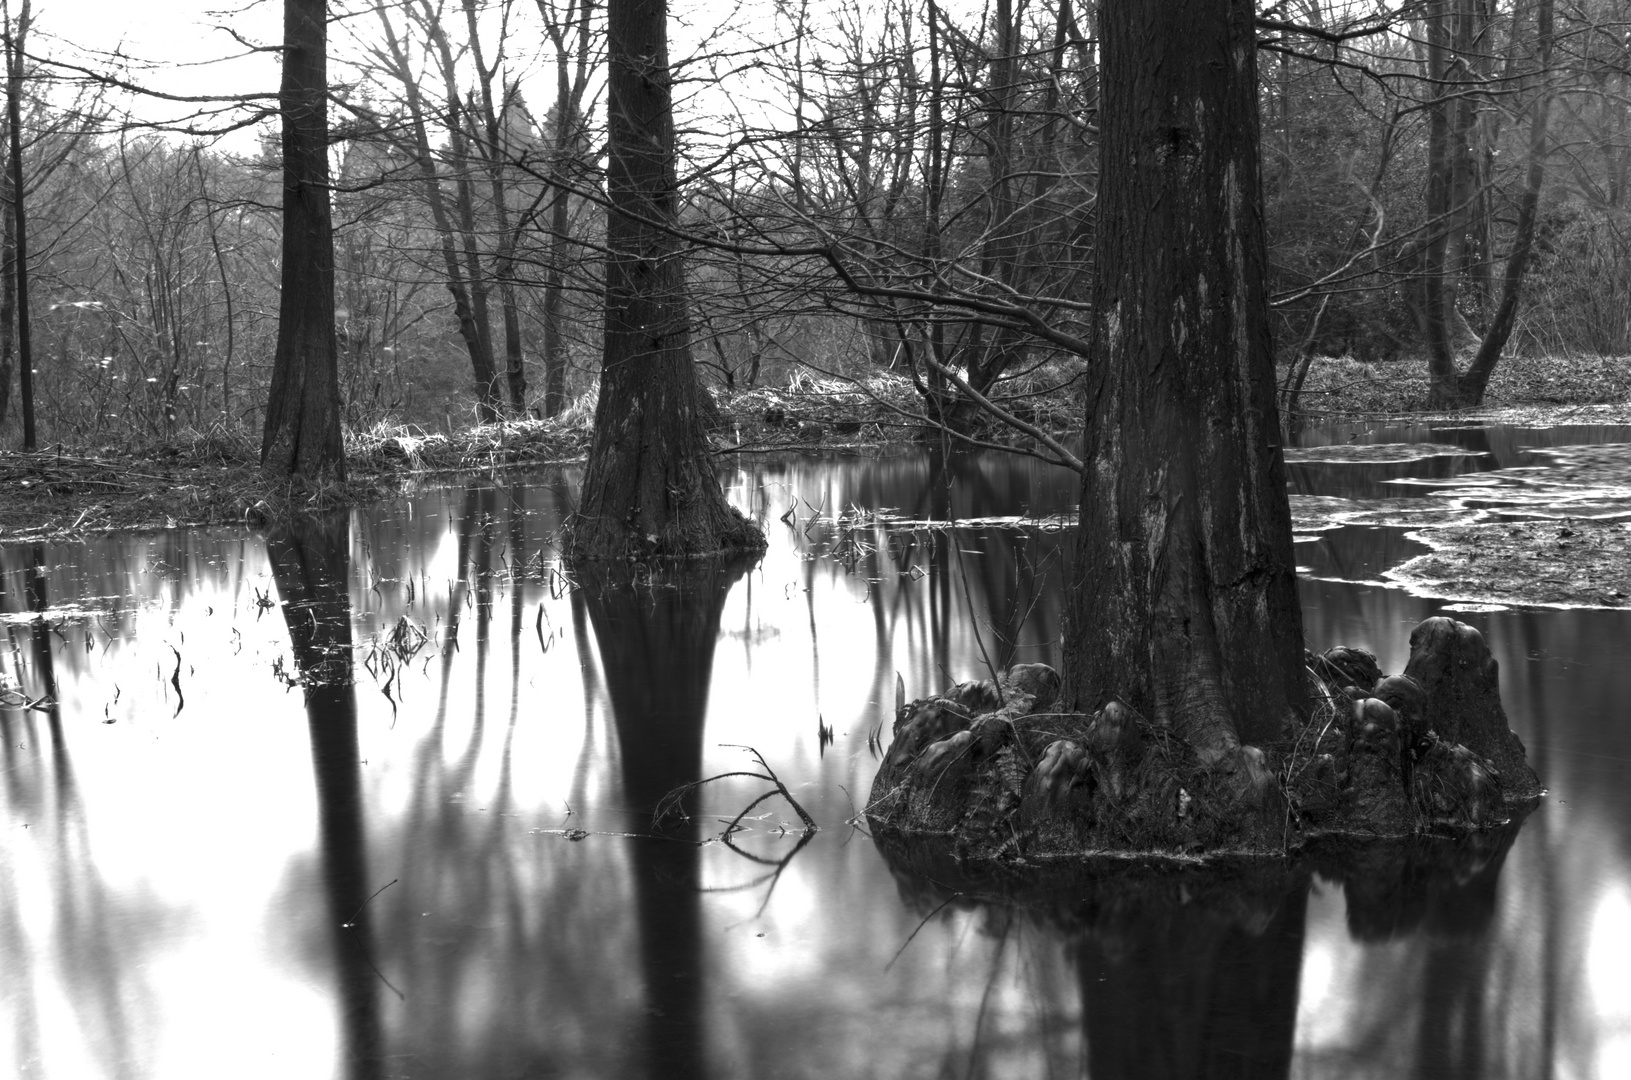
162	884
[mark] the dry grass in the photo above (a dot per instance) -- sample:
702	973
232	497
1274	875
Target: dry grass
212	477
1344	386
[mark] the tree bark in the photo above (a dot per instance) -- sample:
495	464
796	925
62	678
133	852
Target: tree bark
1184	602
19	219
8	280
649	489
302	434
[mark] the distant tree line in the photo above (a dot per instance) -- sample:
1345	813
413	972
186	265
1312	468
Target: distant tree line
877	187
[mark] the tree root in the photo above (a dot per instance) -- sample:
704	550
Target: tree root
988	767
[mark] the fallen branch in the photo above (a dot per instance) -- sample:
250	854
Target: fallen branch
674	801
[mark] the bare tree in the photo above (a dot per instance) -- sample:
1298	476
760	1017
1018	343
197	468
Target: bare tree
17	234
649	489
302	434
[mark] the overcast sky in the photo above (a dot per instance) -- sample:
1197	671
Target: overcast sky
179	47
174	46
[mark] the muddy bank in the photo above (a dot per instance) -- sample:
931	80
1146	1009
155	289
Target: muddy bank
991	770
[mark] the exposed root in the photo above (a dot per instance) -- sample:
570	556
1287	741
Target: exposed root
985	766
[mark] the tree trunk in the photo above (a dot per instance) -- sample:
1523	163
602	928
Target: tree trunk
8	280
649	489
1472	383
570	149
487	378
19	220
1184	602
555	309
476	341
302	433
495	155
1433	309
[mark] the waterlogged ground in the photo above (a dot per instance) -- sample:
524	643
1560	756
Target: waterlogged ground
373	798
1534	516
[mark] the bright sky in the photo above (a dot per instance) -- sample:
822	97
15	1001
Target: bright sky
188	48
175	47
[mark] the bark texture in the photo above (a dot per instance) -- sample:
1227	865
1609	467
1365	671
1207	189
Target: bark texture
302	434
18	234
1184	602
649	490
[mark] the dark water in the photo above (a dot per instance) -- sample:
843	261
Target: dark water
437	858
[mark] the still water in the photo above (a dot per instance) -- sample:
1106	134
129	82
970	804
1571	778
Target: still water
374	798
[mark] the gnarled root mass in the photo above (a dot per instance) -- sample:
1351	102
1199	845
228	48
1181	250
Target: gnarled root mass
989	766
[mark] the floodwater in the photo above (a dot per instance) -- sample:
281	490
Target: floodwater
375	798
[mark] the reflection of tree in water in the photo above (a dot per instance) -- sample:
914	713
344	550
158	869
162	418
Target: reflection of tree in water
1560	675
101	966
657	643
311	564
944	592
1452	988
1194	971
488	917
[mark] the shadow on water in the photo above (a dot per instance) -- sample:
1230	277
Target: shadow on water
657	633
90	948
312	567
1194	972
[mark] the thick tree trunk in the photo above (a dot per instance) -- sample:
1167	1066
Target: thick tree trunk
649	490
302	433
1184	603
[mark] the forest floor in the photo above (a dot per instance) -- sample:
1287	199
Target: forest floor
65	492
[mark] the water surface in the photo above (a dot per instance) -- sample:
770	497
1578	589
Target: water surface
375	798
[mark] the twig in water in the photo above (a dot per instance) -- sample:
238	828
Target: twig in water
351	924
175	681
674	801
921	924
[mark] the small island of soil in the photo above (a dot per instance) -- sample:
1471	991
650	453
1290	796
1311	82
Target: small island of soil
991	769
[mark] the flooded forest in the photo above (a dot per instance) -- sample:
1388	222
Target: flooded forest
489	488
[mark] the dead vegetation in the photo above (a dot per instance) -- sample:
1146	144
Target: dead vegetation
1344	387
212	477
